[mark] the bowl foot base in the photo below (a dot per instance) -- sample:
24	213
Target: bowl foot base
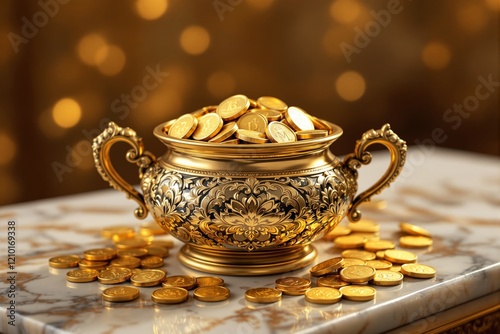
242	263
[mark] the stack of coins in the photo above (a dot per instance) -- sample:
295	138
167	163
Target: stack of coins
137	260
293	285
239	119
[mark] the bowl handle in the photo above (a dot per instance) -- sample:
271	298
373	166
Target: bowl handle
353	161
101	148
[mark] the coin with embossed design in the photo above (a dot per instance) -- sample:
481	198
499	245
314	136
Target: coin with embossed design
211	293
270	102
263	295
64	261
278	132
82	275
148	277
323	295
387	278
358	293
357	274
208	126
298	119
233	107
253	121
183	127
418	270
120	294
170	295
180	281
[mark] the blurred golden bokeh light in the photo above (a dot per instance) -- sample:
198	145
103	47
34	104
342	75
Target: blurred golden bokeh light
151	9
436	55
8	149
195	40
350	86
89	47
345	11
110	60
472	16
66	113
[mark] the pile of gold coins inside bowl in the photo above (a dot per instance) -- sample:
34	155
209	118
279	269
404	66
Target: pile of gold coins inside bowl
138	260
365	261
239	119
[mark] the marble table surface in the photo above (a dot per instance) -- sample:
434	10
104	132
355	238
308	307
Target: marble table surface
453	194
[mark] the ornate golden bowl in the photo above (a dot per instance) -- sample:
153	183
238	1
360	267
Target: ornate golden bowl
250	209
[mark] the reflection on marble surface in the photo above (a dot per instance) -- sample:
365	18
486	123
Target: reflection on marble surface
452	194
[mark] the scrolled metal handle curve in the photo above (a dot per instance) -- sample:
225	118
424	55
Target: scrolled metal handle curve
101	147
397	148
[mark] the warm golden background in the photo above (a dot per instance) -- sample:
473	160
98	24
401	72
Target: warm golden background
67	67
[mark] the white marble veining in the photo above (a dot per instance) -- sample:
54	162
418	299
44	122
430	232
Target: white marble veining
453	194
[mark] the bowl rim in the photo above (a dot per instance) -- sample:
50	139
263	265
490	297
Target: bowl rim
202	149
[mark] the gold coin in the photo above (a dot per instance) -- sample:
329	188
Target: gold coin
379	245
109	232
97	265
350	261
81	275
148	277
253	103
415	241
208	126
331	281
253	121
379	264
349	241
157	251
120	294
357	274
320	124
230	142
278	132
311	134
64	261
162	243
327	266
152	262
183	127
250	136
323	295
364	226
292	283
151	228
269	102
114	275
209	281
170	295
233	107
359	254
358	292
129	262
414	229
399	256
387	278
380	254
226	132
136	242
263	295
211	293
298	119
270	115
180	281
135	252
418	270
338	231
367	236
395	268
99	254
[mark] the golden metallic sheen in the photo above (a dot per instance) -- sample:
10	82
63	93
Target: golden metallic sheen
415	241
225	201
211	293
414	229
357	274
263	295
183	127
269	102
120	294
170	295
359	293
114	275
332	281
400	256
278	132
323	295
180	281
359	254
99	254
82	275
148	277
253	121
327	266
418	270
387	278
64	261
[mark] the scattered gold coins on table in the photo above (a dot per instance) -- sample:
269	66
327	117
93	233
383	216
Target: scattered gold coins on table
239	119
364	260
137	259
